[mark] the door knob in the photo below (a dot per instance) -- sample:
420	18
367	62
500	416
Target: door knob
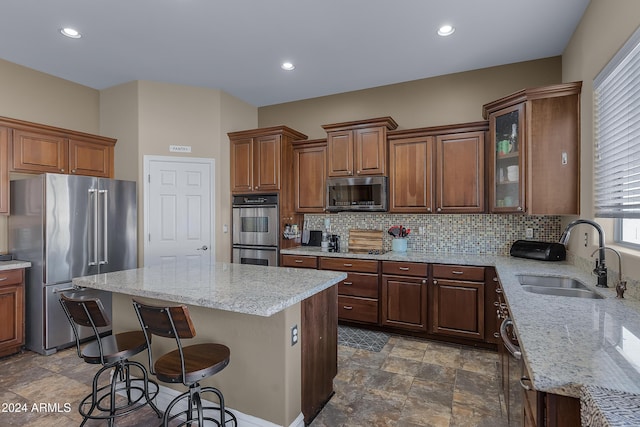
203	248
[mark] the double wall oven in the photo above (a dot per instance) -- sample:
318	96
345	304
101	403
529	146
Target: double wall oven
255	229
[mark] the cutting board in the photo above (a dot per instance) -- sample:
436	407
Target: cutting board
363	241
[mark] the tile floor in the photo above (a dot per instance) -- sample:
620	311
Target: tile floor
409	383
414	382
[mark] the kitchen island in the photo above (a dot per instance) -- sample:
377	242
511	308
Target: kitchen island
252	310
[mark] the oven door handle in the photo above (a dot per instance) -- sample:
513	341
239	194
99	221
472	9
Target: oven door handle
511	348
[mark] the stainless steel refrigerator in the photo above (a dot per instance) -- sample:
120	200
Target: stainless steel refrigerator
68	226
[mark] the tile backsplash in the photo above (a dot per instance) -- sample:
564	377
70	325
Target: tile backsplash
468	234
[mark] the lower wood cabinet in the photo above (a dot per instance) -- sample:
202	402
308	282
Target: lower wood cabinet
458	301
299	261
11	311
404	297
319	340
358	293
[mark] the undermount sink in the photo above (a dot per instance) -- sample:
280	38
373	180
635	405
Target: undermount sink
556	285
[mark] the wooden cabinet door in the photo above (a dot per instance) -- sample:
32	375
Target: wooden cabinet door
4	170
90	158
340	152
460	173
411	175
266	163
242	165
370	151
11	311
39	152
404	302
310	176
458	308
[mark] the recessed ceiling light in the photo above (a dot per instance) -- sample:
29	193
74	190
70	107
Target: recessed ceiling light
287	66
446	30
70	32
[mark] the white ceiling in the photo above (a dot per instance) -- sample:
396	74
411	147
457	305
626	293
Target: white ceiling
238	45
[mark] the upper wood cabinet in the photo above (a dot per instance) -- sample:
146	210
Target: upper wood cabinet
310	175
36	148
358	148
4	170
257	158
438	169
535	151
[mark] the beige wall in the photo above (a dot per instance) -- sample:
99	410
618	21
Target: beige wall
603	30
37	97
455	98
146	117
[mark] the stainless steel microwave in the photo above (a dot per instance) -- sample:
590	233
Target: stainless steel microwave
369	194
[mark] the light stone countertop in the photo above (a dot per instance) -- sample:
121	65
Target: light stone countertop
14	264
247	289
566	342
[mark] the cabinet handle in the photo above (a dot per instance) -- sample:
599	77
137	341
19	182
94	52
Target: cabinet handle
457	272
496	303
2	279
404	268
347	307
498	291
435	282
495	279
348	265
347	283
524	386
298	261
496	335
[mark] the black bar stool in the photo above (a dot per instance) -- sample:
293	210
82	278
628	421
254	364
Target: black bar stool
187	365
112	352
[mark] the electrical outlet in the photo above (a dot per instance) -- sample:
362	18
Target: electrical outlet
529	233
294	335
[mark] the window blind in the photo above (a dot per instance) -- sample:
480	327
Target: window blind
617	134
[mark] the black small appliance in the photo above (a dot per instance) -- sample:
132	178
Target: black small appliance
542	251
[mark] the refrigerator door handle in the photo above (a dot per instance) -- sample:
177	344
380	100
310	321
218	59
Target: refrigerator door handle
93	260
105	216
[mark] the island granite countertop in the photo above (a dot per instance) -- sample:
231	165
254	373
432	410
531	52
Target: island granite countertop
240	288
566	342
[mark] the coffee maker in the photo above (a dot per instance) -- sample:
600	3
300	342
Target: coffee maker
334	243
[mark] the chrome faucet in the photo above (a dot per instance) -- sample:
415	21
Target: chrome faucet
601	269
621	286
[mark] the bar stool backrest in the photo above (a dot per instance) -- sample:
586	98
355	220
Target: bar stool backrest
85	312
165	321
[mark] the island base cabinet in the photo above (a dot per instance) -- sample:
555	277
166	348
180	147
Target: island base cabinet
319	352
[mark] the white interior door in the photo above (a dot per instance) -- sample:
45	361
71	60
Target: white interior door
179	211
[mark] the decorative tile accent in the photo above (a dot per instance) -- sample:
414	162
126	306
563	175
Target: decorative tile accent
466	234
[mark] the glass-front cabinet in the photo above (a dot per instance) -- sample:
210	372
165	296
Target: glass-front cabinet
507	174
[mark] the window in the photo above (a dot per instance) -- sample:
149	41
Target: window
617	142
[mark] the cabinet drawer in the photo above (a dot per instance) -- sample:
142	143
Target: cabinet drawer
300	261
404	268
359	285
10	277
348	264
458	272
358	309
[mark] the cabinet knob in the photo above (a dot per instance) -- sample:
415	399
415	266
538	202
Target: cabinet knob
496	335
424	281
61	170
358	172
519	208
435	282
439	209
73	171
428	209
498	291
495	279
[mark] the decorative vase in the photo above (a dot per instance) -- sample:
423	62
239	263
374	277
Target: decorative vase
399	245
